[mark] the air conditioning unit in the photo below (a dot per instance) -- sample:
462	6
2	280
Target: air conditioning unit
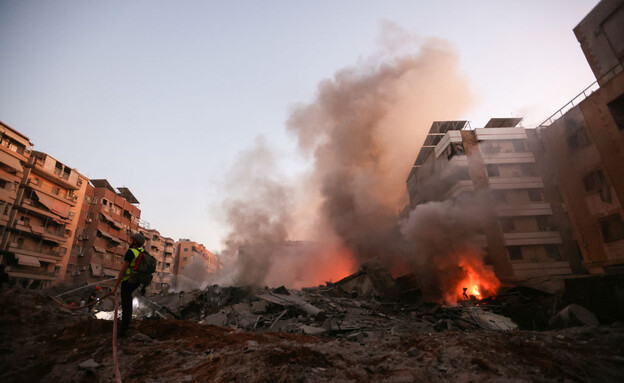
89	220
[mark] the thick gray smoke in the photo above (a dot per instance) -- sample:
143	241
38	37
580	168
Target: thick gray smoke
362	133
258	213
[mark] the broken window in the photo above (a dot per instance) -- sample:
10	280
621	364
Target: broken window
595	182
455	149
515	253
492	170
576	136
612	228
616	108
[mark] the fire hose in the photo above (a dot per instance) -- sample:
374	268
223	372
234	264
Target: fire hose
115	361
116	298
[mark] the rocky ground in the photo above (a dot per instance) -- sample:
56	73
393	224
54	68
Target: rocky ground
41	342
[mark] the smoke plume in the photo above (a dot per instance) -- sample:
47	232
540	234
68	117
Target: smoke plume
361	133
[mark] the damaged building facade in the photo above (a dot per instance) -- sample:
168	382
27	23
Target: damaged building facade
584	141
495	168
163	249
41	206
107	219
194	261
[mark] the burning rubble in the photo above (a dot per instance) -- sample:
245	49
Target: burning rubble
367	326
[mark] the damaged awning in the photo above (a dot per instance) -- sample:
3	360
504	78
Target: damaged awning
27	260
108	236
99	249
110	219
11	161
55	206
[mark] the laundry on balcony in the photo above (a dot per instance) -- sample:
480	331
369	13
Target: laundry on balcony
27	260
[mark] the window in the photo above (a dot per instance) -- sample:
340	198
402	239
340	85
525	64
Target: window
616	108
184	259
535	195
492	170
56	191
515	253
507	225
596	182
519	146
576	136
612	228
553	252
528	170
186	249
24	220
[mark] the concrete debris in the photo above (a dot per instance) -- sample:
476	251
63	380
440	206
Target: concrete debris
491	321
89	364
360	339
574	315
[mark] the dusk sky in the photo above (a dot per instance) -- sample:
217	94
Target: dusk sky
161	96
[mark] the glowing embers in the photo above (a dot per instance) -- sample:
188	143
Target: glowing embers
473	280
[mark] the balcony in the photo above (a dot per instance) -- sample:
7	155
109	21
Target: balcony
526	209
460	187
540	269
51	255
501	183
508	158
532	238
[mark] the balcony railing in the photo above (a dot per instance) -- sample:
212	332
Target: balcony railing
581	96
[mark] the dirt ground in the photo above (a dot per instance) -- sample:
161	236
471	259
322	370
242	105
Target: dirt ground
41	342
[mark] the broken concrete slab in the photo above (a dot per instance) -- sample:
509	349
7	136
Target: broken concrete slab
574	315
490	321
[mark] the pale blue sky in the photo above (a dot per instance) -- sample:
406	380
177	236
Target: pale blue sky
160	96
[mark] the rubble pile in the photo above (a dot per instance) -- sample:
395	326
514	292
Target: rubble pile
367	327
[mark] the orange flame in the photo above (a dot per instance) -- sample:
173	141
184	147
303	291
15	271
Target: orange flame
477	281
332	266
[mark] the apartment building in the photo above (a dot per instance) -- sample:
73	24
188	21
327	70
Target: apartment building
187	251
41	224
495	168
14	153
163	249
584	141
108	217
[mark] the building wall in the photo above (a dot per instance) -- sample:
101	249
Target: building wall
186	250
496	168
586	144
602	40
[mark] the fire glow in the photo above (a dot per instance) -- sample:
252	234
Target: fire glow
476	281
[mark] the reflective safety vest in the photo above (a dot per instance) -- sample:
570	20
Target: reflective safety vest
136	253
